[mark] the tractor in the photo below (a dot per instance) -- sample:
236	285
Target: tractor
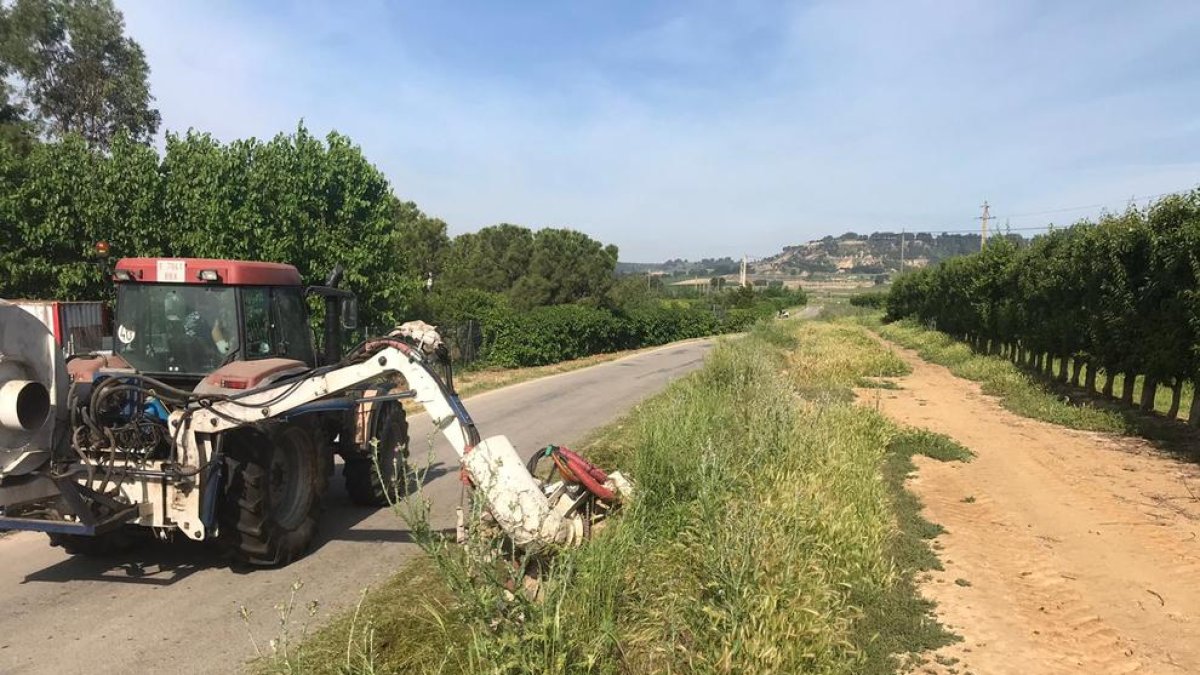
216	416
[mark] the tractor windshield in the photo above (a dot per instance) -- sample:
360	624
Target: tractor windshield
183	329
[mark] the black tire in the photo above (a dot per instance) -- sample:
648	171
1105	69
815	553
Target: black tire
367	485
274	486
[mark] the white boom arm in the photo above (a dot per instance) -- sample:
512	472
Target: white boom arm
512	495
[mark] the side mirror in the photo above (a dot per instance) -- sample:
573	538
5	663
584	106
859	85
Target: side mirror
349	313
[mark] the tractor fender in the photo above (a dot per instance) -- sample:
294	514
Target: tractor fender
238	376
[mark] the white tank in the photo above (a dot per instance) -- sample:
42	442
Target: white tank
33	390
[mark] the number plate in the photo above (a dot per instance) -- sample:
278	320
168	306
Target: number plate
171	271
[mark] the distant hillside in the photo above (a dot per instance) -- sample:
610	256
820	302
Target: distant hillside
850	253
875	253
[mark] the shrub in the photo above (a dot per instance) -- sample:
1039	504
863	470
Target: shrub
872	299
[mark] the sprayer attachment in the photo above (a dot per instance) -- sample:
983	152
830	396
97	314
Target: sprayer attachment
32	391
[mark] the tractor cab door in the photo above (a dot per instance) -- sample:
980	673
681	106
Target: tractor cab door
275	320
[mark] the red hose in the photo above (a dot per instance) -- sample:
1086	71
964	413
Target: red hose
586	473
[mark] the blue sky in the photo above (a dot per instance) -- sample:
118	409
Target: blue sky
697	129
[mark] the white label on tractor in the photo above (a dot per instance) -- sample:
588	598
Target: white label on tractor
171	271
126	334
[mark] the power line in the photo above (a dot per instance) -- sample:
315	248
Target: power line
1034	228
1068	209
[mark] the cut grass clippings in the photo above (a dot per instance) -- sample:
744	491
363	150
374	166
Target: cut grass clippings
999	377
771	533
903	623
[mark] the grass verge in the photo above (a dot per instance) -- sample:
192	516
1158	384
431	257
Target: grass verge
1017	390
771	533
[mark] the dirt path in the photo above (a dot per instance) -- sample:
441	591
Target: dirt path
1065	551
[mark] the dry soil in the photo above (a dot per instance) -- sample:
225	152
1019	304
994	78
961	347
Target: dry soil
1064	552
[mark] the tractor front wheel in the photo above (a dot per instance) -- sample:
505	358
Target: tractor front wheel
380	478
274	485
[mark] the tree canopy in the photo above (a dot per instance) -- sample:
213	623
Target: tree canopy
68	68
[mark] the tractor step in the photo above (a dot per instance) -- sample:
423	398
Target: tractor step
68	527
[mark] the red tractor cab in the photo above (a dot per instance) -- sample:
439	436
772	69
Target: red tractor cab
222	324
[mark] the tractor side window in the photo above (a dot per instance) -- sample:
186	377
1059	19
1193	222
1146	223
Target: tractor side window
256	310
294	338
276	324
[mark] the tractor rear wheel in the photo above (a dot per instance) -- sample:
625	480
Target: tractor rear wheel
380	478
274	486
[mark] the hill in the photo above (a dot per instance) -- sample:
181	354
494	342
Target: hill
874	253
850	253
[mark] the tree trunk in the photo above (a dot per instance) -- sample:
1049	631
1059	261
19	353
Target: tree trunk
1020	355
1108	383
1049	363
1076	370
1194	412
1062	369
1127	390
1089	381
1149	393
1036	364
1176	396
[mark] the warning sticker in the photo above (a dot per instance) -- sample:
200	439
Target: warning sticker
171	272
126	334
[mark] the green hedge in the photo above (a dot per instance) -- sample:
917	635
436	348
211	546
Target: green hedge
546	335
514	338
1116	296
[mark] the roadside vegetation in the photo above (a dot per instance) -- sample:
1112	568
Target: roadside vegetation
771	533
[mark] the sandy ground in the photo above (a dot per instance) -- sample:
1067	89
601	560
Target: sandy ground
1065	551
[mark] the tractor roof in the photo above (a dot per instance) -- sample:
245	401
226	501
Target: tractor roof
188	271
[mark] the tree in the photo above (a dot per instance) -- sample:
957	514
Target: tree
492	259
293	199
76	71
565	266
422	240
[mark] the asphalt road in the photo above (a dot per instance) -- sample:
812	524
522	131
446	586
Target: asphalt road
176	607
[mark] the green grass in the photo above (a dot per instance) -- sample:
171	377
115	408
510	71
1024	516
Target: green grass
1018	391
771	533
836	357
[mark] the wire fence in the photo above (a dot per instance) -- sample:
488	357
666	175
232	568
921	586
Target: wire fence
465	340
